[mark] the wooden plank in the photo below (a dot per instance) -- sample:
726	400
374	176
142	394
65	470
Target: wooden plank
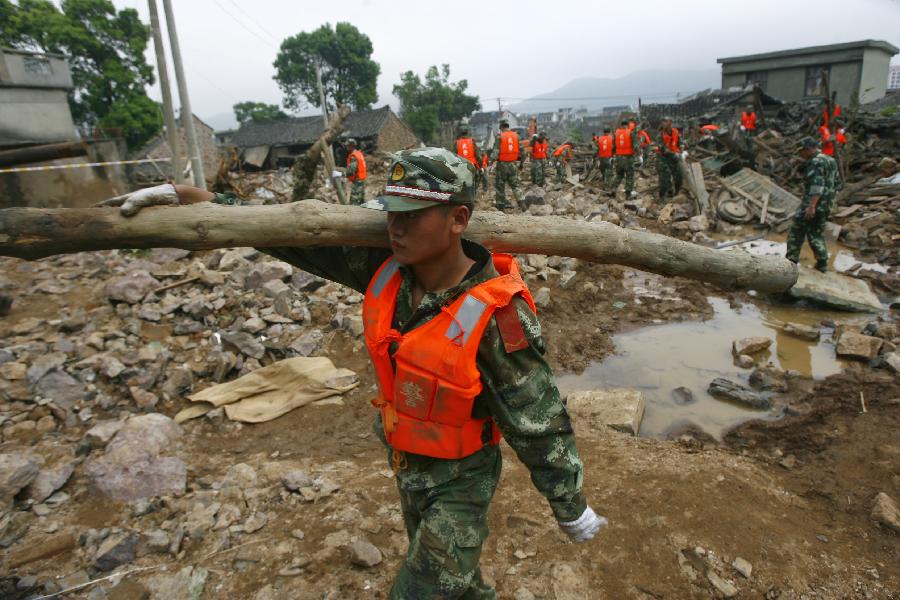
765	208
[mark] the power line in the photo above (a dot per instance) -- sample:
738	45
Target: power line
585	98
244	27
254	21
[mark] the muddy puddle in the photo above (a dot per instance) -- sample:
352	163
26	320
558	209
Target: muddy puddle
658	359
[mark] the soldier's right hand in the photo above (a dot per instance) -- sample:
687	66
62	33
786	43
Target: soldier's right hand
130	204
584	527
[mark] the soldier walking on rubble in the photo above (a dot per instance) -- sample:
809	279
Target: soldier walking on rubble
562	155
667	160
458	355
605	155
822	182
466	147
625	145
506	154
356	173
538	158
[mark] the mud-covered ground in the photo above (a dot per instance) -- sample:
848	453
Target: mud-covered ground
792	498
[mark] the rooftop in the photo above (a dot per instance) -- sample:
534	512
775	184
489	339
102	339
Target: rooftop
889	48
305	130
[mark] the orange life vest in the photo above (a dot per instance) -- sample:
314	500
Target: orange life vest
509	146
567	148
484	160
465	147
623	142
827	144
539	150
605	146
360	174
709	128
670	140
644	137
427	387
748	120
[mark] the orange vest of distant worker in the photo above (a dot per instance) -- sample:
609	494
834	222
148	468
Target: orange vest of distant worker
360	174
484	161
428	385
748	120
623	142
709	128
644	137
509	146
567	148
605	146
539	149
465	147
827	144
670	140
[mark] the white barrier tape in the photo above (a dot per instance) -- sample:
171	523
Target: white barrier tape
80	165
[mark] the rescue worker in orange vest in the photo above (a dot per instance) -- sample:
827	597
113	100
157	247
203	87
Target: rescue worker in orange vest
625	145
748	121
483	171
506	154
604	155
459	359
356	173
539	158
561	157
466	148
668	159
832	140
644	141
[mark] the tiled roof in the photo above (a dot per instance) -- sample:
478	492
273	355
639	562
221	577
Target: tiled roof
305	130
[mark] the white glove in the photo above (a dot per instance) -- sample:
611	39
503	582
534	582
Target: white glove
641	160
743	128
131	203
684	155
584	527
336	174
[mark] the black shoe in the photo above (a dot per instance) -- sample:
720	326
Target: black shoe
822	268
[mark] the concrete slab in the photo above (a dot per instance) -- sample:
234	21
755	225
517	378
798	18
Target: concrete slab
835	290
621	409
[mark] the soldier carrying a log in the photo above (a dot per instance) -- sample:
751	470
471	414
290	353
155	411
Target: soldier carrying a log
458	354
822	181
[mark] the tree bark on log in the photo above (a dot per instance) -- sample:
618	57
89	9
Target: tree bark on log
304	170
33	233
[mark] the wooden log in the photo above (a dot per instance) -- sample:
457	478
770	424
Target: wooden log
21	156
33	233
304	169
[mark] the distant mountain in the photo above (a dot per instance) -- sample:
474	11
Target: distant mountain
594	93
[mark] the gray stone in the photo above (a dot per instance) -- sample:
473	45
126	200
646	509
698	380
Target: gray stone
60	387
683	396
523	594
804	332
698	223
187	584
164	255
542	297
254	325
44	364
836	290
244	342
13	526
567	584
100	434
111	367
16	472
892	360
296	479
885	512
142	398
241	476
743	567
723	389
618	408
131	288
364	554
750	345
308	343
306	282
255	522
354	325
566	278
117	549
155	541
745	361
179	383
132	467
266	272
200	520
276	288
766	380
48	481
724	588
857	345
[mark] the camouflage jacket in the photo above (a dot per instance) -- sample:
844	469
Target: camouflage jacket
519	390
821	178
352	166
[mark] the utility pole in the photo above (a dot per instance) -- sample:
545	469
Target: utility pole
328	154
168	110
187	116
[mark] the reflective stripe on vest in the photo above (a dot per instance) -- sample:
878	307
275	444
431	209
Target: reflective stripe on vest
360	166
428	377
509	146
465	147
623	142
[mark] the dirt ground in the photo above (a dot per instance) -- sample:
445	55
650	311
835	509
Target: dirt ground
791	497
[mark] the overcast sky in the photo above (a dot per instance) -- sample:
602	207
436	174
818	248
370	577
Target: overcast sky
509	49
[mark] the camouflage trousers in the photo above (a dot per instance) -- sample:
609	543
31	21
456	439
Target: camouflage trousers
447	526
481	178
605	166
506	172
669	175
624	170
538	170
560	171
357	192
812	230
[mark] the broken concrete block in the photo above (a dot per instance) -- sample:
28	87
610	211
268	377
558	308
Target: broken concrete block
834	289
619	408
886	513
857	345
750	345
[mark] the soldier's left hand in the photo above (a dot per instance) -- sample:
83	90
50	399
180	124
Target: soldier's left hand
131	203
810	213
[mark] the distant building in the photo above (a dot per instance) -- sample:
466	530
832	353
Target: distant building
857	71
34	108
615	110
158	147
894	78
277	143
483	123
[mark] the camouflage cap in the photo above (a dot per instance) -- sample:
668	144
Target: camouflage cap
426	177
351	141
504	122
809	142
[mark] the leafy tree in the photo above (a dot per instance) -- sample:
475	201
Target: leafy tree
105	51
258	112
435	103
344	56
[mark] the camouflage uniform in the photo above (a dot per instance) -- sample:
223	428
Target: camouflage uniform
538	170
669	170
605	166
445	502
625	167
505	172
357	188
823	180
